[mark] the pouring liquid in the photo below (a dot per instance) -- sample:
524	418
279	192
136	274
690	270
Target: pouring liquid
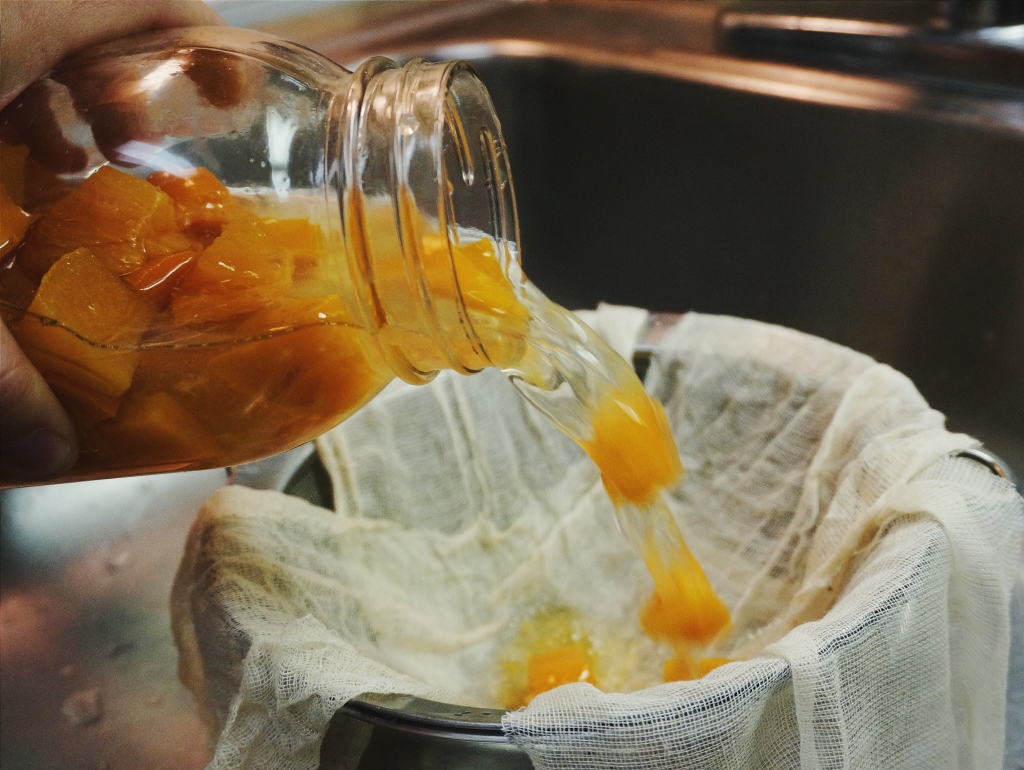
182	331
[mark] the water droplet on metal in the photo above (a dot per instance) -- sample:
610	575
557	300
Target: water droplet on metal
83	707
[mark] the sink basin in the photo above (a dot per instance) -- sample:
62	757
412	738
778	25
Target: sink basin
896	235
658	163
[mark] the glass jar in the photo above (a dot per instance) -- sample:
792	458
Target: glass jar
216	245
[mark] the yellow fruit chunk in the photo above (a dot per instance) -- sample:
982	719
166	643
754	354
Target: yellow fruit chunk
80	331
14	223
302	240
707	665
158	277
111	212
291	386
158	427
241	271
684	607
681	667
295	313
564	665
202	203
633	446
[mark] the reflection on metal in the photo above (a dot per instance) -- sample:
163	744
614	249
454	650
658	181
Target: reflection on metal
929	66
85	577
383	732
992	462
766	21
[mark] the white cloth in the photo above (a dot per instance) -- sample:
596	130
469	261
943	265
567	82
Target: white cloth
868	572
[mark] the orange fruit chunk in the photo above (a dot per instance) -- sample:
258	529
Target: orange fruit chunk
633	446
681	667
80	332
14	223
158	277
197	190
291	386
111	212
302	240
158	427
707	665
241	271
551	669
684	606
202	203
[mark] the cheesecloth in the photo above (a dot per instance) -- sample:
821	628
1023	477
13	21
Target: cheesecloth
868	571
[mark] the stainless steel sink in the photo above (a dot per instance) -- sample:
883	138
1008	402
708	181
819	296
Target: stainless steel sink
863	183
668	156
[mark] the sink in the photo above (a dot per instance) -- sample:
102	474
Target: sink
898	236
660	160
657	163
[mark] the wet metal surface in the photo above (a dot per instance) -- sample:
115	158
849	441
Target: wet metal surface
88	670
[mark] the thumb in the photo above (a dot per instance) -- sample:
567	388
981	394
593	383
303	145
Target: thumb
37	440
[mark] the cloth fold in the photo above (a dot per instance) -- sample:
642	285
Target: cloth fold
867	569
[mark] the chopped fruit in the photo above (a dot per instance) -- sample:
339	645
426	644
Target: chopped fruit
241	271
197	190
564	665
158	428
633	446
681	667
684	607
81	331
290	382
158	277
202	203
707	665
112	213
14	223
302	240
173	242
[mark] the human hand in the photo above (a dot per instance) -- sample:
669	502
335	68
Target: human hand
37	440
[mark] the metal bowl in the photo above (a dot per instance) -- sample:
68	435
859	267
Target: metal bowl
382	732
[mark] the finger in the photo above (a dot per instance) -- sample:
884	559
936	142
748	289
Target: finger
37	35
37	440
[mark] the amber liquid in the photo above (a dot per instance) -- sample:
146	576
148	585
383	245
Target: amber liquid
180	330
586	389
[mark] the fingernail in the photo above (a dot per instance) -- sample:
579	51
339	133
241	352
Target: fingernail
36	455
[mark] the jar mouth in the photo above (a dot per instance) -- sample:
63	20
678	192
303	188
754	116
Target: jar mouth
429	179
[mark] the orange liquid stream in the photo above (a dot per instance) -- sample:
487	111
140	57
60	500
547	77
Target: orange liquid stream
181	331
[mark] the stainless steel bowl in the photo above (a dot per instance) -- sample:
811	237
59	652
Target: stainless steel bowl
382	732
